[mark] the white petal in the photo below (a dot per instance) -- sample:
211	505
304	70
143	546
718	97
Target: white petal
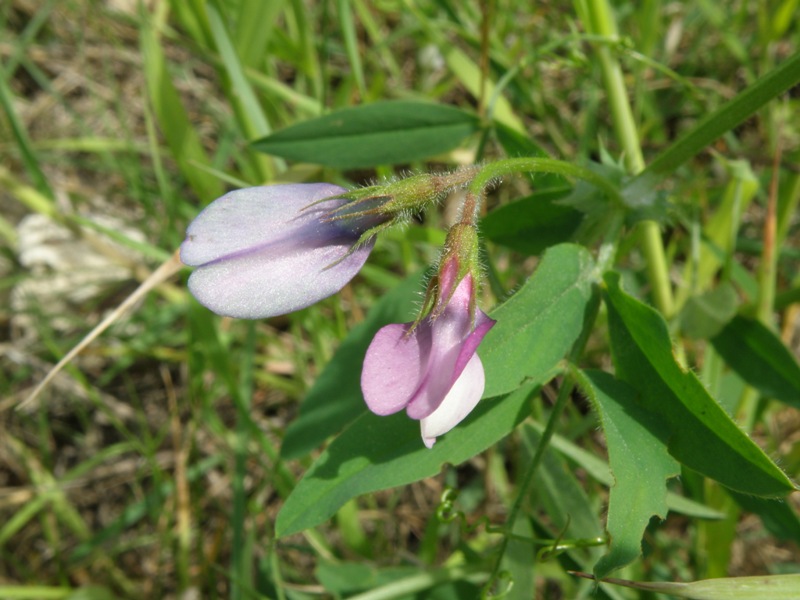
459	402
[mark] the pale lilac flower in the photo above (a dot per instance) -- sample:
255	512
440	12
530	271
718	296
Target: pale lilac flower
266	251
430	369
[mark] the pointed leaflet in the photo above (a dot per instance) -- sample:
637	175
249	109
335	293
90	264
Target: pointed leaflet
533	223
538	325
639	460
374	134
760	358
702	435
377	453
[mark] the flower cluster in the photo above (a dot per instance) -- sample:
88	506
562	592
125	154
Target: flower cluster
266	251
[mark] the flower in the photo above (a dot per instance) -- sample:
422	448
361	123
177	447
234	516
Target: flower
267	251
430	367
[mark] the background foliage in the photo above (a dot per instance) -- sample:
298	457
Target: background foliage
157	463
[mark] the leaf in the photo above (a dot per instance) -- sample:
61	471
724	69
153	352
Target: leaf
377	453
639	460
703	316
774	587
780	518
181	135
718	235
473	78
532	224
519	560
599	470
568	508
539	324
703	436
760	358
335	399
341	578
373	134
725	118
400	583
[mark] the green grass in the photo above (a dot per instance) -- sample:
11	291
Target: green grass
151	466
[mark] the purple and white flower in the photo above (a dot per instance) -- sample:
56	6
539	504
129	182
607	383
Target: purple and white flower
431	368
266	251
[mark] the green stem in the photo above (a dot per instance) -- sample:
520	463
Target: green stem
567	385
600	22
509	166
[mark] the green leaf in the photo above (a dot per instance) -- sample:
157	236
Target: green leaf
373	134
774	587
639	460
341	578
22	139
348	28
780	518
519	560
760	358
568	508
532	224
254	24
728	116
718	235
599	470
703	436
703	316
400	583
540	323
181	135
377	453
335	398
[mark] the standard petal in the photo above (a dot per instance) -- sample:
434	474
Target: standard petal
394	366
249	219
459	402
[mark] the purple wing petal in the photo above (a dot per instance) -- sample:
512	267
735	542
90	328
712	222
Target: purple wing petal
394	366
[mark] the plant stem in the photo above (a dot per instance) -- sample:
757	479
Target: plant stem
567	385
510	166
600	22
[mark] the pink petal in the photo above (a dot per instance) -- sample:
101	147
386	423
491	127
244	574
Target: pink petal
394	366
453	345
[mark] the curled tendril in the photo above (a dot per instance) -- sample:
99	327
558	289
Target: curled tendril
498	586
446	512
